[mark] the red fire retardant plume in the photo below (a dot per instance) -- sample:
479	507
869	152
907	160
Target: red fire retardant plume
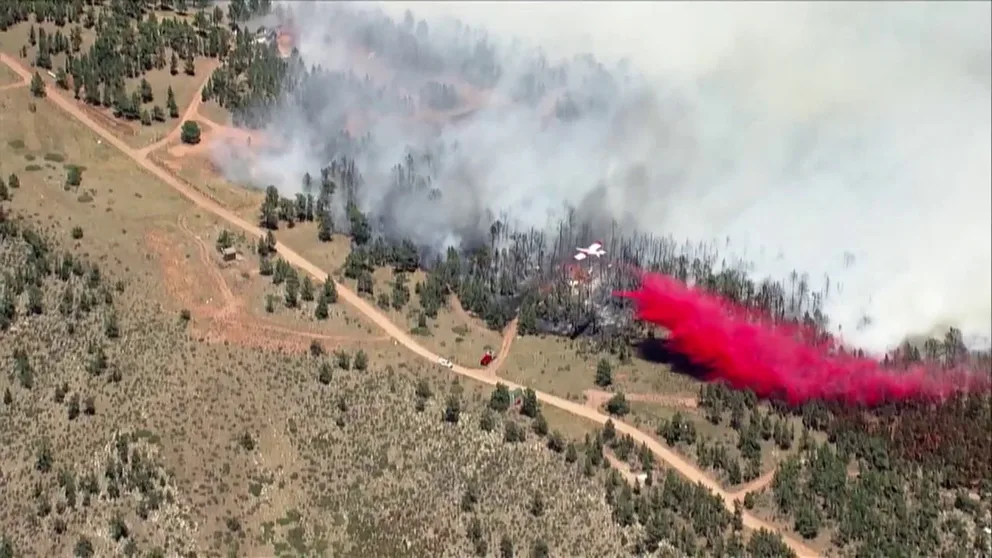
780	361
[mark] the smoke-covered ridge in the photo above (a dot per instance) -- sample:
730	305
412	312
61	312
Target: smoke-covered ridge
844	140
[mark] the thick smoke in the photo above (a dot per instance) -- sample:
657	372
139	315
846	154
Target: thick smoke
849	141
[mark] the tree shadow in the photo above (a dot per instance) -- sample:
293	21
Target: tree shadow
660	351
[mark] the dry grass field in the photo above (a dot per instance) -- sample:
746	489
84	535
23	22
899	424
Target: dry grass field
113	203
194	166
560	366
214	113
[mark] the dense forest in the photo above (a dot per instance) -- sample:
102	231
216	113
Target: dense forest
880	484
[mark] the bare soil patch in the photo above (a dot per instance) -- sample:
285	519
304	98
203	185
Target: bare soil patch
217	313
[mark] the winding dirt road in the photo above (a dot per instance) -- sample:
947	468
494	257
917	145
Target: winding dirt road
687	469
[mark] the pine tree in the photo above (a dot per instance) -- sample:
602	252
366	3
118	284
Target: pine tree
147	95
62	79
37	86
604	373
529	406
170	103
190	132
330	289
108	96
321	311
292	290
44	58
306	289
121	103
190	68
174	64
134	107
324	228
76	38
77	86
361	360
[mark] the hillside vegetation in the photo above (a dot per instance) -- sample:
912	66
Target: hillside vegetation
128	430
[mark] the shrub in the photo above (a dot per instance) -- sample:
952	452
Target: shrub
190	132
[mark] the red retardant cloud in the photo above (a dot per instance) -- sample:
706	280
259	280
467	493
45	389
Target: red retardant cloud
773	360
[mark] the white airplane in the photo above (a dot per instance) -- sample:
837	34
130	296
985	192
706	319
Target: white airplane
594	249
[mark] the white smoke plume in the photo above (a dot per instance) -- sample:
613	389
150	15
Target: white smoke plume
849	140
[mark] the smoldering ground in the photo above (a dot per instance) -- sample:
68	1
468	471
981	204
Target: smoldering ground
849	141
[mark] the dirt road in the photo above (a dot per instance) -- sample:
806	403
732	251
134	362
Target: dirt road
23	83
756	484
231	305
189	114
664	454
509	334
595	399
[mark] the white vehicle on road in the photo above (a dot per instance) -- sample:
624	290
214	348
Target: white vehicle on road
445	362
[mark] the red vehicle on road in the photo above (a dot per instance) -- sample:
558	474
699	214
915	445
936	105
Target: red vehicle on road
487	359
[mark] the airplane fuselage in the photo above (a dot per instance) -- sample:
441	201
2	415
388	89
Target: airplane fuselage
595	249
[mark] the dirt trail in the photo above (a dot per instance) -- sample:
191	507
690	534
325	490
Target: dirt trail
756	484
687	469
24	82
509	334
233	314
595	399
190	113
230	301
228	323
621	467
